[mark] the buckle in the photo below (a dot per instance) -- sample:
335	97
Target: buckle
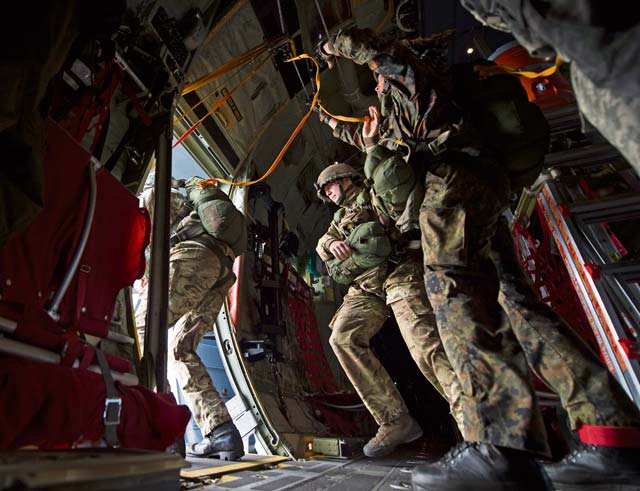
436	148
112	404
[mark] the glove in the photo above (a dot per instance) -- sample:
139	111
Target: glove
329	58
324	117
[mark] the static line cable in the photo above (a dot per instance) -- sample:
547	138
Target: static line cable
314	103
347	119
387	17
276	162
220	102
202	101
239	60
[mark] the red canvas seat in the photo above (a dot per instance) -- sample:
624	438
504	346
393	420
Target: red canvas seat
54	406
33	265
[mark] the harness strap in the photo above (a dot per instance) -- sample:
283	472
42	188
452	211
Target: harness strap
112	403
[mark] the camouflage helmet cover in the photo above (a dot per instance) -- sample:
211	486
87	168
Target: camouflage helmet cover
332	173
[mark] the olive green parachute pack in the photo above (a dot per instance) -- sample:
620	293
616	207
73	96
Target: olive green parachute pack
371	247
220	218
392	180
496	109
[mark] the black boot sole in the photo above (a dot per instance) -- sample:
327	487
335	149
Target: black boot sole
597	487
227	456
477	486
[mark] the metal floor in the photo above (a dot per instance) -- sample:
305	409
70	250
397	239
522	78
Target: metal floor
322	474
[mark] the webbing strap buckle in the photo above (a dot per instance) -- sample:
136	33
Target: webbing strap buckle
437	146
112	411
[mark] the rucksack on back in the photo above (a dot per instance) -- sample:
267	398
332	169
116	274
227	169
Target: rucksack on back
220	218
391	178
498	111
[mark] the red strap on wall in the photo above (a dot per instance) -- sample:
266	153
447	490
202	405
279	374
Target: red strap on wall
610	436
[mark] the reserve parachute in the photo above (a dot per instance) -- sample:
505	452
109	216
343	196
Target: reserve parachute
371	247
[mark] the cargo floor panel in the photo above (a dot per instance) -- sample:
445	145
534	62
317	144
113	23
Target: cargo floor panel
361	474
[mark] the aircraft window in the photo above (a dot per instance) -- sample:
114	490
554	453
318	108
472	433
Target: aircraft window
184	165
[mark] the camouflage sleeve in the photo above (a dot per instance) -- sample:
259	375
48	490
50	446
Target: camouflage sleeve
325	241
350	133
392	61
358	45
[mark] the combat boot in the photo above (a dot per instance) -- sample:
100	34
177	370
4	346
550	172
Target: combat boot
224	443
597	468
473	466
403	429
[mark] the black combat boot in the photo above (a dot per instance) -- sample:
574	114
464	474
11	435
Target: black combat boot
597	468
473	466
224	443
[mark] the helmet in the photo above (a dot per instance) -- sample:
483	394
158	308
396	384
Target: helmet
332	173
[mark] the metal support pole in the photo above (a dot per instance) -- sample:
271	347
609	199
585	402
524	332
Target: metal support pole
154	360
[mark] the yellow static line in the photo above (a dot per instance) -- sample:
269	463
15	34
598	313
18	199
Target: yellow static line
238	466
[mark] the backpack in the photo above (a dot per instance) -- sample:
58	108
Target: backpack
497	110
392	180
219	217
371	247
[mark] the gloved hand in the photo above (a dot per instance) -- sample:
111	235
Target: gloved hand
324	117
324	48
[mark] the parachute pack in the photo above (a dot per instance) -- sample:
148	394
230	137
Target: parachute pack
392	180
371	247
220	218
497	110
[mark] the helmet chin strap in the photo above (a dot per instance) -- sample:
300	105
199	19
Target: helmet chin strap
344	193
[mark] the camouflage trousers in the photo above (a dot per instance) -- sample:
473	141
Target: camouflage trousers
554	352
199	279
363	313
458	217
405	294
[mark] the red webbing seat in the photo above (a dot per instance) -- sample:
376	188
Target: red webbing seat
113	258
33	262
53	406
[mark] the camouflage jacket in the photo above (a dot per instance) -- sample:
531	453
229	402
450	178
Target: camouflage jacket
178	200
356	210
417	100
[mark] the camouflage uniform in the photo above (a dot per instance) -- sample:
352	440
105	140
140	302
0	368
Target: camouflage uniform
407	298
199	279
370	299
603	51
588	392
457	220
464	195
147	200
200	276
362	314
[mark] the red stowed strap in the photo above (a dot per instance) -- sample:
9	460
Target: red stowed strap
610	436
